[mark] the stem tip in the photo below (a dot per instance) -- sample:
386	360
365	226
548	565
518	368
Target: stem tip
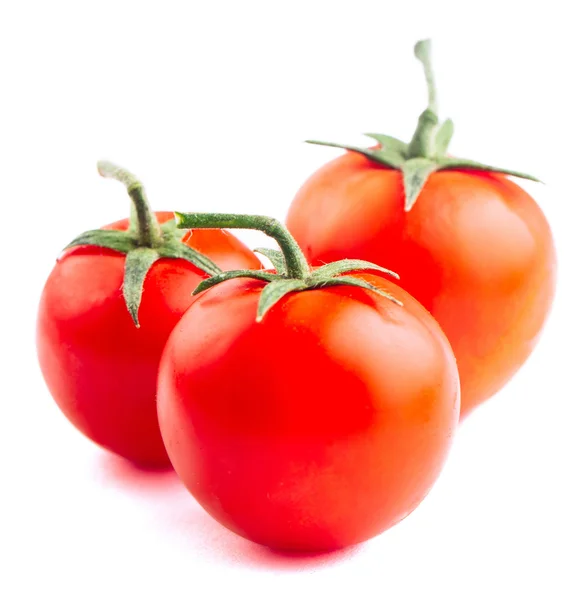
112	171
422	50
180	220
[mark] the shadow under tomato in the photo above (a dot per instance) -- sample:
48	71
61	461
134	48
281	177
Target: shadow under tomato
114	470
205	536
183	519
294	560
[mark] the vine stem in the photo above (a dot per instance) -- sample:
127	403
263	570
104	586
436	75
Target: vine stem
422	144
296	264
143	222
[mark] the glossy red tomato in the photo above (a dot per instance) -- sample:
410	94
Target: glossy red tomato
475	250
316	428
99	367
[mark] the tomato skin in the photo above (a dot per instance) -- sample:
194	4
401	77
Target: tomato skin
319	427
475	250
100	369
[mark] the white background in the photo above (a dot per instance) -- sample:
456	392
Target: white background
208	102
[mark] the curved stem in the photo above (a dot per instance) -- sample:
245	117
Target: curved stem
422	144
422	50
143	222
296	263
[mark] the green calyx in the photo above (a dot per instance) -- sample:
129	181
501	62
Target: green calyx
143	243
427	151
293	273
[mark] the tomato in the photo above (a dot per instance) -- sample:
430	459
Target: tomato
471	245
475	250
100	368
318	426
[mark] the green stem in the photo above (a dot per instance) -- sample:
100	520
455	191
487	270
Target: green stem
296	263
422	144
143	222
422	50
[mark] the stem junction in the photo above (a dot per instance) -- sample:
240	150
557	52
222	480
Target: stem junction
143	243
427	151
293	273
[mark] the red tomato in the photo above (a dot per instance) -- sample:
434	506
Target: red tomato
475	250
316	428
100	368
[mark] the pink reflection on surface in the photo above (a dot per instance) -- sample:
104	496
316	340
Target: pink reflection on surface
177	516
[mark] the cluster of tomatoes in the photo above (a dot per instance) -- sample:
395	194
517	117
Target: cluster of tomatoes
312	405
